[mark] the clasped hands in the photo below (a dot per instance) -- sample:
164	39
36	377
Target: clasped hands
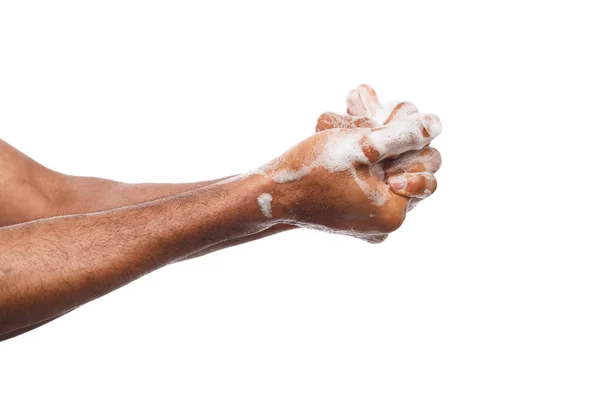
360	173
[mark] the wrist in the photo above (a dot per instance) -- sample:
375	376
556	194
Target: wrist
269	202
277	201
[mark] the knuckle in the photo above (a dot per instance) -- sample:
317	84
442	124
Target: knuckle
434	159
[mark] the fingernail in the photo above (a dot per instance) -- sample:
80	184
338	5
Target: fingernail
398	182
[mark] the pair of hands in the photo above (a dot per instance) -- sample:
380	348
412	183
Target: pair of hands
359	173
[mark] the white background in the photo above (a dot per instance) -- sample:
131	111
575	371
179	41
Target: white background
490	290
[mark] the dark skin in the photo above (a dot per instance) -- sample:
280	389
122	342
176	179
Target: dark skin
32	192
109	233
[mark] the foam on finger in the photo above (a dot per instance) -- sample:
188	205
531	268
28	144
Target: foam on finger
427	159
354	105
393	111
411	133
363	102
369	100
330	120
415	185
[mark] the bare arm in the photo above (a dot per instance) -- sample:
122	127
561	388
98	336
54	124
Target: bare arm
29	191
85	195
51	266
339	184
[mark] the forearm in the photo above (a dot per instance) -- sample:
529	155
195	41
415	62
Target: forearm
20	331
30	191
53	265
38	192
88	194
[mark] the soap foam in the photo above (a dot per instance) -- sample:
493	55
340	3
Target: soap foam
394	110
428	158
287	175
343	150
405	131
264	203
377	197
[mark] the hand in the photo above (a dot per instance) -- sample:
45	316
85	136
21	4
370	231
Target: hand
336	179
411	174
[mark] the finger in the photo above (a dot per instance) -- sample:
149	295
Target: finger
369	99
363	102
427	159
418	185
330	120
354	105
394	111
411	133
